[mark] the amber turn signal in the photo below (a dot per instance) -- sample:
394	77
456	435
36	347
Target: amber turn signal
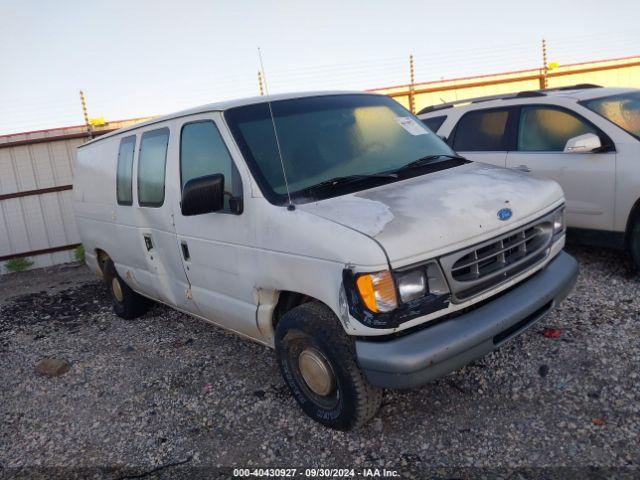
377	291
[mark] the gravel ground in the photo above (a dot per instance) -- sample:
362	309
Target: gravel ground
166	393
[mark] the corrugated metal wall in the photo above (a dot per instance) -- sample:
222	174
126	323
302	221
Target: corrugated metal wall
39	221
36	177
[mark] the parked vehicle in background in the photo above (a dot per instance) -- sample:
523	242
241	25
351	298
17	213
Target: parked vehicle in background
585	137
334	228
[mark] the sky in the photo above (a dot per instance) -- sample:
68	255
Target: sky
138	58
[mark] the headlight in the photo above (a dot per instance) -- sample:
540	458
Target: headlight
412	285
424	280
377	291
386	299
559	224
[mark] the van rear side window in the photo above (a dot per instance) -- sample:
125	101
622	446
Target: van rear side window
125	171
151	167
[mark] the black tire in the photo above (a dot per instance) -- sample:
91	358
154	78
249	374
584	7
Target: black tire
130	305
634	242
314	327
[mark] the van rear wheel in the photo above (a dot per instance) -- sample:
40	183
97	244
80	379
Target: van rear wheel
318	363
127	304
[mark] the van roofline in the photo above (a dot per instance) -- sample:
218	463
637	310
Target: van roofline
223	106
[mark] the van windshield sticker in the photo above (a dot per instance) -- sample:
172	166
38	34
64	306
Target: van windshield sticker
412	126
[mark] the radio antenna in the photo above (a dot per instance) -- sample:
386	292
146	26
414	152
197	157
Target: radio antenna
290	206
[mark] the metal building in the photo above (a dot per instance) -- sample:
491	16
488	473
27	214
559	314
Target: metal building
36	176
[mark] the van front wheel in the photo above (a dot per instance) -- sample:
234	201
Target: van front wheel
318	363
127	304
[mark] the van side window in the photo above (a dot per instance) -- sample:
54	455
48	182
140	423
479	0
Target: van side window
124	172
434	123
483	130
544	129
203	152
151	167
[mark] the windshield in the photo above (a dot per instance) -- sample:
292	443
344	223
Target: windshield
623	110
328	137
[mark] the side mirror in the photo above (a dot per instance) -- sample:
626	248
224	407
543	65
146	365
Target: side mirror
203	195
589	142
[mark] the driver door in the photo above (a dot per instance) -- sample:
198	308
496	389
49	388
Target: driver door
215	246
588	179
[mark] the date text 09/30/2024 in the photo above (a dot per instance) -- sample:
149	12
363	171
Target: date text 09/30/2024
315	472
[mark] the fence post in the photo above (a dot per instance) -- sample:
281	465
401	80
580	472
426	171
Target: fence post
260	85
412	106
86	115
545	66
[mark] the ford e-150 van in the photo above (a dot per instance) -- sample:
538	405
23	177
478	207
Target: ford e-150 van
335	228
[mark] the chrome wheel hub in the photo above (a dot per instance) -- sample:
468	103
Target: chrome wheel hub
116	288
316	371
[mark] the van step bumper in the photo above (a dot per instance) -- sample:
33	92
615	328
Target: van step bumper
420	357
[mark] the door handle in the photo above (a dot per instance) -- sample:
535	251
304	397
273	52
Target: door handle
522	168
185	251
148	243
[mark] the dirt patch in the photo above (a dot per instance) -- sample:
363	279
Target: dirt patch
64	308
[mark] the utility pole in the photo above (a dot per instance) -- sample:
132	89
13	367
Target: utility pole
260	84
545	66
412	106
86	115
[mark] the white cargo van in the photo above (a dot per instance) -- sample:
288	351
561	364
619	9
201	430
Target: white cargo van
334	228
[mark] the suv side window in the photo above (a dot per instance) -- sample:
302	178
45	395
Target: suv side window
203	152
434	123
547	129
124	172
482	131
152	161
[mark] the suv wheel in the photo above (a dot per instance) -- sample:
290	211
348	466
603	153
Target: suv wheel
127	304
318	362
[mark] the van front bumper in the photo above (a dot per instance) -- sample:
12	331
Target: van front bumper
417	358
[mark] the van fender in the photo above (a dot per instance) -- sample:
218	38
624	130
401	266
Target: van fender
266	299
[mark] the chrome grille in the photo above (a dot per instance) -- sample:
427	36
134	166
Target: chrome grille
479	268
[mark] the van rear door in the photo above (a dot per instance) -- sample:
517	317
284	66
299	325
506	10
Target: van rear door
164	277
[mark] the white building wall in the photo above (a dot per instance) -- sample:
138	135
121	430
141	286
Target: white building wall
32	220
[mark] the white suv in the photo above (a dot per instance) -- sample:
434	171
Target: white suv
585	137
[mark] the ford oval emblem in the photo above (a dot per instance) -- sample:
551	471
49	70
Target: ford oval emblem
504	214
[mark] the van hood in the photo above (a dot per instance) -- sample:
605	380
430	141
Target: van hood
427	216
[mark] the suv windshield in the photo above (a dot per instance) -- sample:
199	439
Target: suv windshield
333	142
623	110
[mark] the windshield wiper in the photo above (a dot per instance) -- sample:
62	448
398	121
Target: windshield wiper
422	161
335	181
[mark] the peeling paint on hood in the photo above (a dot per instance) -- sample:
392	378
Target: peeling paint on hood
373	216
443	211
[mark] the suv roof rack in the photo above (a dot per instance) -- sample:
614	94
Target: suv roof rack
503	96
506	96
579	86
